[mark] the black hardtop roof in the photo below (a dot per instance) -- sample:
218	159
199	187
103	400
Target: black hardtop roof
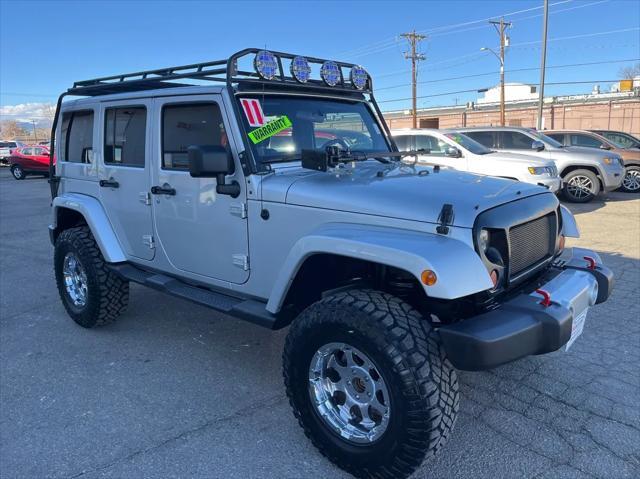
225	70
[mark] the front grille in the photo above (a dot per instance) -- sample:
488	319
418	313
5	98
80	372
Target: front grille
531	243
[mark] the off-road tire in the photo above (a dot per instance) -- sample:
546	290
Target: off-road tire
17	172
423	384
591	176
107	293
628	171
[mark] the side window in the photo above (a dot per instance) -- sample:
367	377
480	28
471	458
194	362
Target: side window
585	140
404	142
483	137
515	140
559	137
124	136
27	151
39	151
436	147
189	124
77	137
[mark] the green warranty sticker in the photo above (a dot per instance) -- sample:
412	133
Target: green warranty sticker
272	128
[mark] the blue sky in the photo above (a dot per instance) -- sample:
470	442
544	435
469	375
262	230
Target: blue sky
62	41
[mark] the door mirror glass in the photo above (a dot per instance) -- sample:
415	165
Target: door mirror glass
209	161
453	152
604	147
537	145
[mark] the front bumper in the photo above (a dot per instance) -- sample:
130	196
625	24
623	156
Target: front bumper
612	178
523	326
552	184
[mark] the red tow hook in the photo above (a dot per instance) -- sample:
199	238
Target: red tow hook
591	261
546	297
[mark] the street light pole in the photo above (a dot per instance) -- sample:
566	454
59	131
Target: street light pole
542	63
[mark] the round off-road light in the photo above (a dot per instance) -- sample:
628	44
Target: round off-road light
484	240
359	77
428	277
331	73
300	69
265	64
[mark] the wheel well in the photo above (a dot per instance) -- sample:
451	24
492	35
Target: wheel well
592	169
67	218
324	272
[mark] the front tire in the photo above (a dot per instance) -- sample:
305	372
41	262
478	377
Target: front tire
631	181
581	186
17	172
92	294
370	384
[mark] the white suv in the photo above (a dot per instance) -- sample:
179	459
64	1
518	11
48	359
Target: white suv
462	153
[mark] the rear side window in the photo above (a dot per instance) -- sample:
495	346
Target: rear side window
77	134
514	140
403	142
483	137
556	136
585	140
189	124
124	136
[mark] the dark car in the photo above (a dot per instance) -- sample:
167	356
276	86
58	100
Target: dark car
29	160
623	139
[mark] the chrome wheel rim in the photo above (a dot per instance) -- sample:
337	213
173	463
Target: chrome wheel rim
580	186
75	280
631	180
349	393
17	172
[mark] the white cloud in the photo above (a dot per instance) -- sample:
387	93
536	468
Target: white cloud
25	112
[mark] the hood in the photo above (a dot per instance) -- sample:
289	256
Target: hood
398	191
519	158
597	153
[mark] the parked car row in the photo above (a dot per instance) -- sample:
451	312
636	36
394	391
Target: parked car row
563	161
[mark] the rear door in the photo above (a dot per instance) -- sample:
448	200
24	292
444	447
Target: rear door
41	158
201	231
125	174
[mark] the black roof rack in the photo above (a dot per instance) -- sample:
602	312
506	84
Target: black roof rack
218	71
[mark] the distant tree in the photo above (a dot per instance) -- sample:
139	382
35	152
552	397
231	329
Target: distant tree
629	72
10	129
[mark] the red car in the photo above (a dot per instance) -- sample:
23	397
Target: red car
29	160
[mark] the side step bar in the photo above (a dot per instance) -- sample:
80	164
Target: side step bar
247	309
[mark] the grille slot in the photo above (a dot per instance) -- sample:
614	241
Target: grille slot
531	243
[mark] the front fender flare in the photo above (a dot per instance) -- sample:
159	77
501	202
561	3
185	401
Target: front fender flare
569	225
459	270
96	218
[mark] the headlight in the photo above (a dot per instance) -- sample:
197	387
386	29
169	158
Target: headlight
484	240
610	160
538	170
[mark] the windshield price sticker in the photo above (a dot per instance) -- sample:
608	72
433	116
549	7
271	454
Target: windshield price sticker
270	129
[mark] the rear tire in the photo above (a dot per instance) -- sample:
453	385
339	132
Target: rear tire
580	186
92	294
631	181
390	354
17	172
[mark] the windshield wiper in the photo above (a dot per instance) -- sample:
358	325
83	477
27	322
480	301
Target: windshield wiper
332	156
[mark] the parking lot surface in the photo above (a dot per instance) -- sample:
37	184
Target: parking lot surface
176	390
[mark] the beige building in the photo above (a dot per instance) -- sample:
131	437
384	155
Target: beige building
613	111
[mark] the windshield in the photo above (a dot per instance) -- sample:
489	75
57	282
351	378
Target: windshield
280	127
469	144
546	139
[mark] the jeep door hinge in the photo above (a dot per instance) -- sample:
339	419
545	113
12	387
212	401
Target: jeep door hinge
145	197
241	261
148	240
238	209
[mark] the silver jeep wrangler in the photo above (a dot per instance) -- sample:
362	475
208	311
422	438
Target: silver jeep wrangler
279	197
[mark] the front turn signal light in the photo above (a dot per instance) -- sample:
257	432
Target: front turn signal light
428	277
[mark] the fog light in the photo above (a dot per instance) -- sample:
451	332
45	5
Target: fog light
494	277
428	277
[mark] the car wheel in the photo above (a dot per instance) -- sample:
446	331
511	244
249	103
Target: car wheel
581	186
17	172
370	384
631	181
92	294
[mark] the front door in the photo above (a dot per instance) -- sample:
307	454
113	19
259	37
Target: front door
201	232
125	174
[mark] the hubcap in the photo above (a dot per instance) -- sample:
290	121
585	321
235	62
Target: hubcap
17	172
580	186
75	280
349	393
631	180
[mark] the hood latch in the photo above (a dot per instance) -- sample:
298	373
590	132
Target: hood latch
445	219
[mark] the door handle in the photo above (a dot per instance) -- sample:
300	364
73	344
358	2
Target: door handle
163	190
110	183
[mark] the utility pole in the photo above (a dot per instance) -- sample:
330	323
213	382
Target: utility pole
501	26
35	135
413	38
543	61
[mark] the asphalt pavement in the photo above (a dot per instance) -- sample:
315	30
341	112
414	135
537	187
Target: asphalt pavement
176	390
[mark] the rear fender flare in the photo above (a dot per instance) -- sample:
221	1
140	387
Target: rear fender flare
458	268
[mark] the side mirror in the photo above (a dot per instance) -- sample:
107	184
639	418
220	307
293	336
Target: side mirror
453	152
537	145
209	161
604	147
